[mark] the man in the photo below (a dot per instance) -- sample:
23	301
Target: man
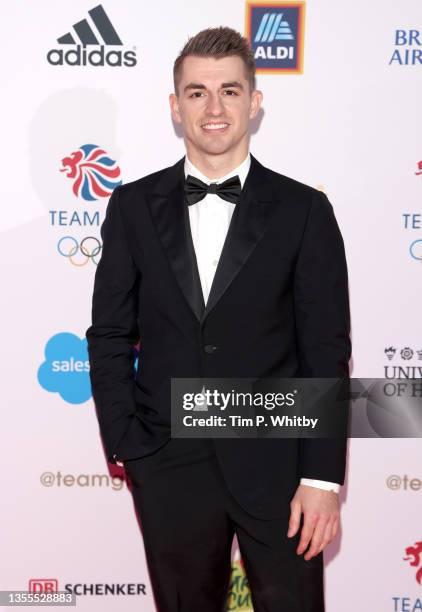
242	279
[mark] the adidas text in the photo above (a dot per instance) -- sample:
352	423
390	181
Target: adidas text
80	56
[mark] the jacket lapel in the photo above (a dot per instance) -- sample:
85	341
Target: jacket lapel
249	221
170	216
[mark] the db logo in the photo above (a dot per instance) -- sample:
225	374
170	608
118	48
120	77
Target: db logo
43	585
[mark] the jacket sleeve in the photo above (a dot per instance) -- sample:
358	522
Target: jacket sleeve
323	327
114	330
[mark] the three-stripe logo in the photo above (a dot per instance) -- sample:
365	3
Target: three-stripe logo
86	44
86	34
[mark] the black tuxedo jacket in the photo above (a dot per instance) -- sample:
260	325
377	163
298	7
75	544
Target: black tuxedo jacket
278	307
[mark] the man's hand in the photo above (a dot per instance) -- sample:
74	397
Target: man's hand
321	518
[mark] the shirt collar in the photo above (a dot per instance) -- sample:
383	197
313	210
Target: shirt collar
241	170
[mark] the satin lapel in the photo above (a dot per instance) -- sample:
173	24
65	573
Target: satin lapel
249	221
171	219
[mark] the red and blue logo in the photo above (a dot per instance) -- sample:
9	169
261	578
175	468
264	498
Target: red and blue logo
275	31
93	172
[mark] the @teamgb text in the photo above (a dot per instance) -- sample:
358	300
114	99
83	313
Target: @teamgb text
80	253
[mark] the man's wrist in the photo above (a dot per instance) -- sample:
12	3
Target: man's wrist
321	484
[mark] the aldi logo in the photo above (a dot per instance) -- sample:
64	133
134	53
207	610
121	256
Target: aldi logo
275	31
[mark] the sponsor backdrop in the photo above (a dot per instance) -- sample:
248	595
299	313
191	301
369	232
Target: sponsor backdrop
85	108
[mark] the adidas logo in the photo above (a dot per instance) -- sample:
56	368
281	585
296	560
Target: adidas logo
97	33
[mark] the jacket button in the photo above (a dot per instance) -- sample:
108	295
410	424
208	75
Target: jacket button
210	348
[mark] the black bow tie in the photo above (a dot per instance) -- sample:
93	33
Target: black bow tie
196	190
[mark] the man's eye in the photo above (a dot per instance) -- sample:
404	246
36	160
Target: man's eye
231	91
194	94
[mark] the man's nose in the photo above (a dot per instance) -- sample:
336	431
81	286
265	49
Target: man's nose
214	104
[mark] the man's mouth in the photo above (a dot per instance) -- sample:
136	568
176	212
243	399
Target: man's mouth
213	127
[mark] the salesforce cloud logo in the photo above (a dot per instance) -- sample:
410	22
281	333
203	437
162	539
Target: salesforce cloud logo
66	368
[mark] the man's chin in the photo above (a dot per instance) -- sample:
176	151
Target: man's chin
216	148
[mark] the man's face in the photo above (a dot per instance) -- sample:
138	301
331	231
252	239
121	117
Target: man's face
214	104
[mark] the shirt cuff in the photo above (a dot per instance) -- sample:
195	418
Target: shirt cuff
321	484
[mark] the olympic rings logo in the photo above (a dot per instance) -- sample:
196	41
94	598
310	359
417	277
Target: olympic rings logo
412	249
89	248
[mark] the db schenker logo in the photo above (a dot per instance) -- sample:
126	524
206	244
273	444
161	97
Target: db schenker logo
93	42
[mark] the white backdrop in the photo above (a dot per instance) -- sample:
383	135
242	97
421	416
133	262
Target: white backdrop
349	124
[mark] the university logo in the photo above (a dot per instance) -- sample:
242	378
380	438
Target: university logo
405	363
93	173
275	31
86	45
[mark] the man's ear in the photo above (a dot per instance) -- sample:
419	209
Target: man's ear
174	107
256	101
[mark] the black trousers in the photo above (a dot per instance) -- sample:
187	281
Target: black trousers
188	520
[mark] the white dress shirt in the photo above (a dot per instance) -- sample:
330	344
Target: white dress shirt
209	221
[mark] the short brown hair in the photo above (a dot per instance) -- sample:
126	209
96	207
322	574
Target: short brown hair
217	42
